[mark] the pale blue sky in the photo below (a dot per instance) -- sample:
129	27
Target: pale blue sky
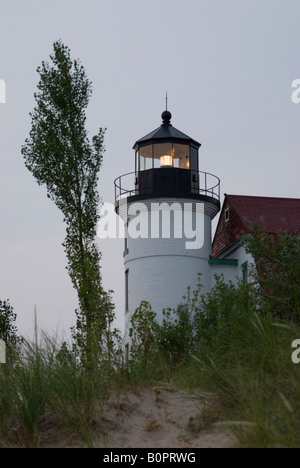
228	68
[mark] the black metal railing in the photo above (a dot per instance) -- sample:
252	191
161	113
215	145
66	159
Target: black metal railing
201	183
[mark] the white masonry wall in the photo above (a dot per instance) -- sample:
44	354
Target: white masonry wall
233	273
160	269
242	256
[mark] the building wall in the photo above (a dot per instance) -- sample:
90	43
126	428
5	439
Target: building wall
230	272
242	257
161	269
228	232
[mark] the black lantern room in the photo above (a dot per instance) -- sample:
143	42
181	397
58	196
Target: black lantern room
166	161
167	165
166	147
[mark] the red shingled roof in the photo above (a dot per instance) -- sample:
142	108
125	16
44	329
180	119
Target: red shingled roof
272	210
272	214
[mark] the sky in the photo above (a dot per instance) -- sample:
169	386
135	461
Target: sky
228	67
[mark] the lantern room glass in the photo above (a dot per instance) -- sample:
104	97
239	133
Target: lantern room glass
167	154
145	158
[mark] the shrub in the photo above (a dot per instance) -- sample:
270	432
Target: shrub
277	272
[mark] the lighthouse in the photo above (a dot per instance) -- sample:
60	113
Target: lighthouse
167	205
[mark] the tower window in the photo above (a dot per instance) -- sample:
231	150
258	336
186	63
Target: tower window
126	353
126	290
125	247
227	215
245	272
126	240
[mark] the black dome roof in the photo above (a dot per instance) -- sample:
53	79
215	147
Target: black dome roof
166	132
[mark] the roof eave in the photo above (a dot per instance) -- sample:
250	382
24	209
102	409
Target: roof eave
141	143
164	134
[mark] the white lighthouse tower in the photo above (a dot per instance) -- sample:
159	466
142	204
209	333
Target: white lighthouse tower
167	206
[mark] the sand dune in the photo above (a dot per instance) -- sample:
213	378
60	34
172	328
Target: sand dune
161	418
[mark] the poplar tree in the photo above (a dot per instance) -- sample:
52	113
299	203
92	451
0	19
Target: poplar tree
60	156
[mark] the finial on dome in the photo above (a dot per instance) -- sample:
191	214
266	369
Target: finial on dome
166	117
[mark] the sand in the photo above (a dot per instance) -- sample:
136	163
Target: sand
157	417
162	417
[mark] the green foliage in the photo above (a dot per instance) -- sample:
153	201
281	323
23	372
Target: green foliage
8	328
77	396
177	335
104	341
143	350
60	156
142	332
58	151
234	343
157	349
277	270
249	371
244	336
217	310
47	390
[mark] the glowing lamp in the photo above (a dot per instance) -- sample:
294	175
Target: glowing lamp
166	160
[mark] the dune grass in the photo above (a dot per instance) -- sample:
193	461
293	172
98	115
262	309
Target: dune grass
41	389
233	344
243	361
254	381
